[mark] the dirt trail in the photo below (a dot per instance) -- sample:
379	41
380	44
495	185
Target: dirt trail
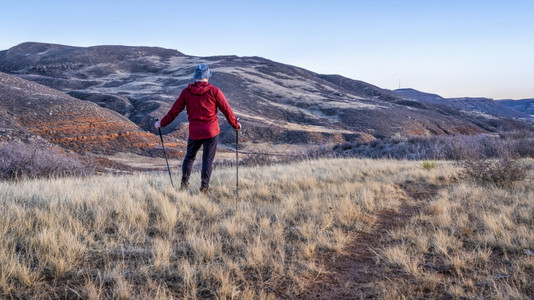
350	275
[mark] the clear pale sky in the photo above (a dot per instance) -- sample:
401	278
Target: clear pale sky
451	48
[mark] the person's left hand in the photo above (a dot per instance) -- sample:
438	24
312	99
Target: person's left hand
158	124
239	126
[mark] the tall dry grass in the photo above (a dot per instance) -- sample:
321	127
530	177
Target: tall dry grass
137	237
469	241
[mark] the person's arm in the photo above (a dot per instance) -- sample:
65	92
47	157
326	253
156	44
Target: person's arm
225	108
176	109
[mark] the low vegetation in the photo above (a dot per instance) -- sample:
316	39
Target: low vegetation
135	236
455	147
20	161
428	165
502	172
471	240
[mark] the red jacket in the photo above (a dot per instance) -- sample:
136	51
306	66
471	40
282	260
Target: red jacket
201	101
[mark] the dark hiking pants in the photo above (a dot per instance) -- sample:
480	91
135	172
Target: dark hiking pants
208	155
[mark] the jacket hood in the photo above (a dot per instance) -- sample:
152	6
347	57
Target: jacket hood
199	88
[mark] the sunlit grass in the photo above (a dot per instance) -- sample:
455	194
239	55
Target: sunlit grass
119	236
472	238
137	237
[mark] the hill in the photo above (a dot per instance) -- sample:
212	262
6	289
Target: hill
30	111
479	106
525	106
420	96
277	103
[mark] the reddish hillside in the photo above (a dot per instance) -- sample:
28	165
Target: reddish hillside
32	109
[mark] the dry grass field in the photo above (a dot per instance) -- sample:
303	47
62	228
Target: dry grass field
331	228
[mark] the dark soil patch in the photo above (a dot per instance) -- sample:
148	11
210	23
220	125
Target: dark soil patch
419	190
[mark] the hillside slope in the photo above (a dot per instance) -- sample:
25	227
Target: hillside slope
525	106
277	103
32	111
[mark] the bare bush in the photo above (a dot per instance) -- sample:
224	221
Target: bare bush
442	147
494	160
258	159
264	158
23	161
502	172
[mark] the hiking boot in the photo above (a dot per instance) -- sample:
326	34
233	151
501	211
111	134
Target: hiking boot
204	190
184	187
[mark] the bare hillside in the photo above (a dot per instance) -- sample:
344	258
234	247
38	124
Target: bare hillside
33	111
277	103
525	106
480	106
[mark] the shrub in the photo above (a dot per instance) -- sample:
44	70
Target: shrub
22	161
257	159
501	172
460	147
428	165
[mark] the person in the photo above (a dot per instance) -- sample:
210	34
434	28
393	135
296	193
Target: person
201	101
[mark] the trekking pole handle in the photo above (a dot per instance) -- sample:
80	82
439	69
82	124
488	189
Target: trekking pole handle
160	135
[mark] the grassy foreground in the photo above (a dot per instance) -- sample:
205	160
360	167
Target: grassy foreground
135	237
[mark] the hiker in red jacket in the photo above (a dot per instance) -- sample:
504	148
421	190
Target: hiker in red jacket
201	100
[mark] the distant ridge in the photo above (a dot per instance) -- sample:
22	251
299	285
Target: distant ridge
477	105
421	96
525	106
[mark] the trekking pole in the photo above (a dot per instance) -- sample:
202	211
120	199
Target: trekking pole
237	164
165	153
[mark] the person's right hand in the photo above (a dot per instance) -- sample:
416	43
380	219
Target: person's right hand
238	126
158	124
